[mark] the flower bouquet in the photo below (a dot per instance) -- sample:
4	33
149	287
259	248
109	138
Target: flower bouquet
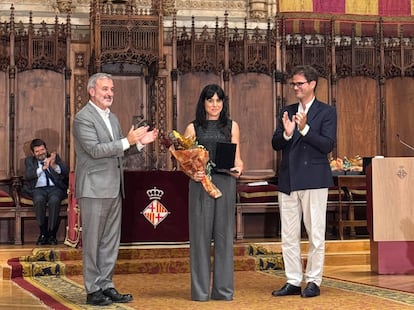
192	158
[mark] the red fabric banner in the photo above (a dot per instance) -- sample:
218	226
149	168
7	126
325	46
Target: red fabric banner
345	26
353	7
394	7
329	6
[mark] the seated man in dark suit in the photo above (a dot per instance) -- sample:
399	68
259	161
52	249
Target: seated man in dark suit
46	182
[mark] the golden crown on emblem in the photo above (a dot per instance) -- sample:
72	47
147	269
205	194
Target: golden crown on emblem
155	193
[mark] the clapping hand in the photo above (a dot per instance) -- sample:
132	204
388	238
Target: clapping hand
142	135
288	125
149	136
50	161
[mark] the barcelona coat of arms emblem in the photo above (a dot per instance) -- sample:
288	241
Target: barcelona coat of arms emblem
155	212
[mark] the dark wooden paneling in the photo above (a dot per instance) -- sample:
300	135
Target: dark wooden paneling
261	225
40	110
358	117
399	96
129	100
252	107
4	127
360	75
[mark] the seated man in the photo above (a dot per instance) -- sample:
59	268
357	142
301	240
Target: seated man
46	181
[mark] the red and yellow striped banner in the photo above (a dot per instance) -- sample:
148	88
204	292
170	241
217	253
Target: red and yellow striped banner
356	7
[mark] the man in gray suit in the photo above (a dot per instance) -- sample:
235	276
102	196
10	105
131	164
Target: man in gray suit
100	147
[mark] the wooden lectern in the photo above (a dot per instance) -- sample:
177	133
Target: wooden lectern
391	213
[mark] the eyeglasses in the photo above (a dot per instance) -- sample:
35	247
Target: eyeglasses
298	84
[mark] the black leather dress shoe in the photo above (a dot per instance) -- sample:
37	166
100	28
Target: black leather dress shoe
311	290
52	240
113	294
42	240
288	289
98	299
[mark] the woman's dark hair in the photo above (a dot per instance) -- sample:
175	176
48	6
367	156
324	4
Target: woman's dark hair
37	142
207	93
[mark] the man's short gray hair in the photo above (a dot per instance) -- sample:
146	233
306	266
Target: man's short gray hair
97	76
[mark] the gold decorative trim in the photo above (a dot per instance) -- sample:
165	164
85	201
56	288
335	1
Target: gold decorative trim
200	4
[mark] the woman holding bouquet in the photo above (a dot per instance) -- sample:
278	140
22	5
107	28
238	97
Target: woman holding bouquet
213	218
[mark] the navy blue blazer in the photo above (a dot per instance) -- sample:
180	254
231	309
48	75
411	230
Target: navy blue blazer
305	163
31	165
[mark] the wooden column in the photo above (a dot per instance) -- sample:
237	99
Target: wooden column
12	96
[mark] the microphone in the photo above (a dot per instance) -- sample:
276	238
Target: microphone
404	143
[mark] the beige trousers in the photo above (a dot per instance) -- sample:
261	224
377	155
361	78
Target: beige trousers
311	206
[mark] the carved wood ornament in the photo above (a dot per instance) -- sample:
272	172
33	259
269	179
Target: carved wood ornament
128	38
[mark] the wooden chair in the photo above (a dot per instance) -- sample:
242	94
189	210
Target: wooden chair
355	189
25	210
7	203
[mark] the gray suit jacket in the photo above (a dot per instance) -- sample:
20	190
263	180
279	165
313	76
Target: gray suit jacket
99	170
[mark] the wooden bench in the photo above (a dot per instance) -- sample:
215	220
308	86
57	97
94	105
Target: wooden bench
15	208
7	204
332	210
264	200
246	208
355	189
260	199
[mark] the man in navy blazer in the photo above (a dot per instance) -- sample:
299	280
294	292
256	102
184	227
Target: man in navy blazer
46	182
306	134
100	147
